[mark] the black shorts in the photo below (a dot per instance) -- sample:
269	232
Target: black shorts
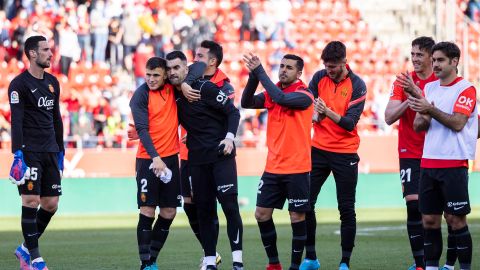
185	179
444	190
410	175
343	166
214	180
274	189
45	179
151	191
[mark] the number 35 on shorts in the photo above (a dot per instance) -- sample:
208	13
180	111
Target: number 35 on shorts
33	174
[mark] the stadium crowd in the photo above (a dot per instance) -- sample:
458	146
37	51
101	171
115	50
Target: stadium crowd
102	47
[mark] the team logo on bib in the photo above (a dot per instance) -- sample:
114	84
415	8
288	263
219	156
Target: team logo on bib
14	97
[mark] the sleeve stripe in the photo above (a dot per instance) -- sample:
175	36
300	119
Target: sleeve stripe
305	92
358	100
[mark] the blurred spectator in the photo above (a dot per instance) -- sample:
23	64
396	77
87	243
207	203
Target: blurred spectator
99	28
265	23
83	33
131	36
140	58
473	10
100	115
69	49
275	58
14	9
246	26
162	33
147	22
19	26
282	11
203	29
115	35
182	23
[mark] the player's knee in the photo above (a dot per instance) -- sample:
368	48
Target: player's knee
49	204
147	211
431	221
456	222
262	215
31	201
168	212
296	217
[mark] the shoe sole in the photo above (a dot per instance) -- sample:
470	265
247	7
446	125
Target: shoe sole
23	264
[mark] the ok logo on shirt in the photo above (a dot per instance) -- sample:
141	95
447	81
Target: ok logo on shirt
221	97
466	102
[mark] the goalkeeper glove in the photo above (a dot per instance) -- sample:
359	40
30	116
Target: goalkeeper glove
19	171
60	159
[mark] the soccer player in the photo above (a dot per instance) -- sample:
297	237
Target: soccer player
286	175
154	112
210	53
211	123
37	144
448	113
341	97
410	143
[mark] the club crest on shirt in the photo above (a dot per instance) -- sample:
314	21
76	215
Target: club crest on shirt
50	87
14	99
344	92
30	186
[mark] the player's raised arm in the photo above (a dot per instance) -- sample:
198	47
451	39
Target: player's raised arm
294	100
249	99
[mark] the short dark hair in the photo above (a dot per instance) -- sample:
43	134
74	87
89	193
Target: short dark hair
156	62
296	58
424	43
214	50
32	44
176	54
450	49
335	51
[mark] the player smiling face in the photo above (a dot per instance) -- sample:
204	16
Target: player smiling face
421	59
155	78
177	71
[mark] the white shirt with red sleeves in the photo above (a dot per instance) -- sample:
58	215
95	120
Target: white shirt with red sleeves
444	147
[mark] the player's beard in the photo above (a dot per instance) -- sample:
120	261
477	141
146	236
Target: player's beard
45	64
177	81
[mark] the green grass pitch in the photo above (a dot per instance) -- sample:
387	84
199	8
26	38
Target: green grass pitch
97	242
